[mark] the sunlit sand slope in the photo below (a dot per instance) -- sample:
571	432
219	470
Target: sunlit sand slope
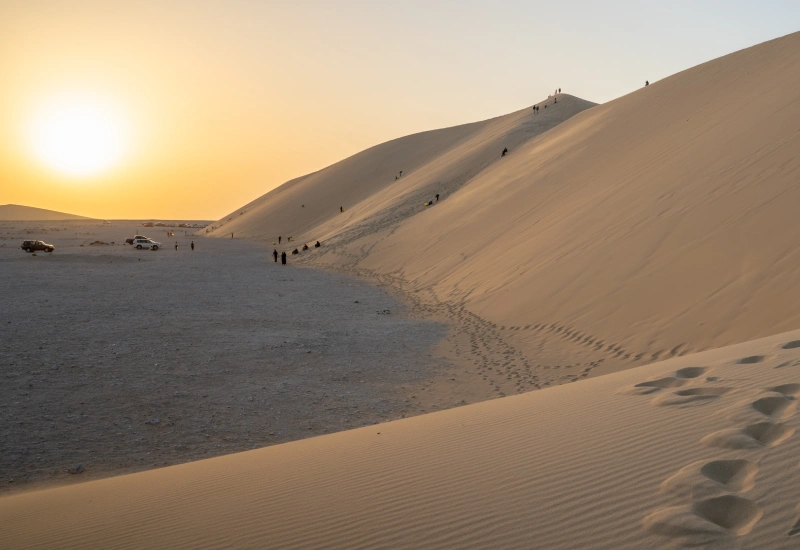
14	212
695	450
661	223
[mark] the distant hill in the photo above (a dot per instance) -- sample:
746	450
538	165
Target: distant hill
14	212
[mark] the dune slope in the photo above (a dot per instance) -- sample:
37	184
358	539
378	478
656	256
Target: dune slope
16	212
693	451
659	224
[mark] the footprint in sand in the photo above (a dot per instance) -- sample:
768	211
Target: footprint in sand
775	406
680	378
706	521
704	479
754	436
752	359
789	390
795	530
690	395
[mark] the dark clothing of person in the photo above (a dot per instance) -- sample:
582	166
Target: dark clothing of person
505	150
646	82
317	245
305	247
279	239
176	246
275	255
341	209
295	251
437	197
192	245
559	90
283	258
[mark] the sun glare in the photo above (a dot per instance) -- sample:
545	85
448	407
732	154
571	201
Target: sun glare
79	136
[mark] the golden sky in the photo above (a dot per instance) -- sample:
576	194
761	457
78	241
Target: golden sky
219	102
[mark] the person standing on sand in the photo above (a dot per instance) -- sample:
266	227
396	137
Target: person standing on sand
283	258
437	197
176	245
646	82
231	235
275	255
505	150
341	209
279	239
192	245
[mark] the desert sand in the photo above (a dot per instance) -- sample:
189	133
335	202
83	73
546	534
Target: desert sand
10	212
124	360
650	240
693	451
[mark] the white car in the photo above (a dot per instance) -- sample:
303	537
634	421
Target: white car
146	243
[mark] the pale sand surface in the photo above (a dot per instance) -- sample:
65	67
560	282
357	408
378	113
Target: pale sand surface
10	212
710	460
659	224
125	360
653	227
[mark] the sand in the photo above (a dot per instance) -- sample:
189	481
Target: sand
10	212
693	451
638	257
659	224
125	360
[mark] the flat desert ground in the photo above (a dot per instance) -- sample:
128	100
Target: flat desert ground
123	360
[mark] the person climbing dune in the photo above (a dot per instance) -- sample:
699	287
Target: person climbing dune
505	150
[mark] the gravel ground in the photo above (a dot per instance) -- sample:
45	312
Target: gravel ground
123	360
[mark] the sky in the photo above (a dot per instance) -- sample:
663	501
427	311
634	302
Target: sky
201	106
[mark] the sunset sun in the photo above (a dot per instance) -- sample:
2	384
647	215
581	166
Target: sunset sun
79	136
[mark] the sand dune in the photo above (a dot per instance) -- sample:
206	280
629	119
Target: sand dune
585	465
656	225
14	212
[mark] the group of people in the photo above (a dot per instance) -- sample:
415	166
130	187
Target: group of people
176	245
295	251
431	202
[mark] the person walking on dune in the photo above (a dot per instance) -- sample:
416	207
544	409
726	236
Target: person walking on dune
283	258
437	197
176	245
341	209
279	239
192	246
505	150
275	255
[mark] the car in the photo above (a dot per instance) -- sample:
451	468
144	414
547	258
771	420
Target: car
33	246
130	241
146	243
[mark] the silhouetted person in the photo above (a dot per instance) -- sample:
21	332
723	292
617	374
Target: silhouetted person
231	235
401	173
555	100
341	209
317	245
176	245
559	90
437	197
192	245
305	247
646	82
279	239
283	258
295	251
275	255
505	150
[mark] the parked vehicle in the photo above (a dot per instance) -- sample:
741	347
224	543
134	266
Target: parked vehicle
146	243
130	241
33	246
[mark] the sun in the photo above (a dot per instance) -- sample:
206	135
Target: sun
79	135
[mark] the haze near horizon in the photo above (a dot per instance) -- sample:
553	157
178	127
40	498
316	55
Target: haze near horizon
190	110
